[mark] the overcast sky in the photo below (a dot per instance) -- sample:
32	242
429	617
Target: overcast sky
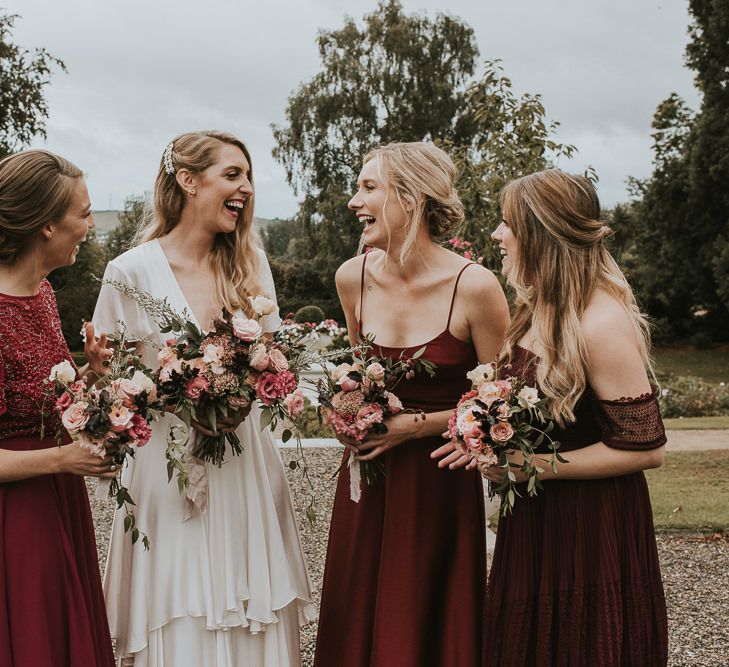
142	71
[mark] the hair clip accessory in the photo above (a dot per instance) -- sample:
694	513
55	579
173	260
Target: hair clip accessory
167	159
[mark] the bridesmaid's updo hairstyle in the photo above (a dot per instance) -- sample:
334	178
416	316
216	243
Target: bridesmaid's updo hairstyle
234	257
423	178
561	259
35	189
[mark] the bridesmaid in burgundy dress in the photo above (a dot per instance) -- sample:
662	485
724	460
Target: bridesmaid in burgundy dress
405	569
51	605
575	578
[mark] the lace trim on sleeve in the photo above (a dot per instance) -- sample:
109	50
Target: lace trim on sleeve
631	423
3	403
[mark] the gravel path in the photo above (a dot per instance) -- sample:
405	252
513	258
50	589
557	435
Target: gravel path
694	570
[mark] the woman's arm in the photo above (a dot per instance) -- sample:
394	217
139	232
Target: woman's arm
615	370
70	458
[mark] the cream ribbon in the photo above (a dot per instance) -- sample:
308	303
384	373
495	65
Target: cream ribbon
355	478
196	495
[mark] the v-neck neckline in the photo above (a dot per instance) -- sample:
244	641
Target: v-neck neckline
183	298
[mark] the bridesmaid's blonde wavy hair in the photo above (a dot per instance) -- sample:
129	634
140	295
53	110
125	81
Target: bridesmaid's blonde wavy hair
562	258
424	180
233	260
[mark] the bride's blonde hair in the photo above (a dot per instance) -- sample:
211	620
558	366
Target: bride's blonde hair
233	260
423	178
561	259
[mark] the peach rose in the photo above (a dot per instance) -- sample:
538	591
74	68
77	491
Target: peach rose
259	357
74	417
120	416
501	432
277	360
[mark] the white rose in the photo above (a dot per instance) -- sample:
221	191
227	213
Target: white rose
530	395
482	372
65	372
262	305
211	356
143	381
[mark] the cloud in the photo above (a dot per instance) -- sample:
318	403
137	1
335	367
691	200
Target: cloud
141	72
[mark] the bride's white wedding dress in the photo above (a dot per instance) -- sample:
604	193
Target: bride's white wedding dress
228	586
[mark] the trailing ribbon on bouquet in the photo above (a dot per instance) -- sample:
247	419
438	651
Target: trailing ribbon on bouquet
355	478
196	493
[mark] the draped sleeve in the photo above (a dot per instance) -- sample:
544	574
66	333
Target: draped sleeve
273	321
631	423
113	307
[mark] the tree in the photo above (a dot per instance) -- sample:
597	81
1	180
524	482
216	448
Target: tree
682	211
503	137
23	77
401	77
131	218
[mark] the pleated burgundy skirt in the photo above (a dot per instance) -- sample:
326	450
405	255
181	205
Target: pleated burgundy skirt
52	610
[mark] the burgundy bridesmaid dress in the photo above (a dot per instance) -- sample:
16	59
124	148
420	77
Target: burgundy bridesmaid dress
405	569
52	610
575	578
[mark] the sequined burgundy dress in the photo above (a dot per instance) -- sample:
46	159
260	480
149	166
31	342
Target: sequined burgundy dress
575	579
405	569
51	605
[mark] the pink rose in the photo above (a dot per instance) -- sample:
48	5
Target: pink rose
140	430
394	404
277	360
368	416
245	329
195	387
74	417
294	403
120	416
272	386
63	401
501	432
474	440
348	384
504	387
238	402
259	357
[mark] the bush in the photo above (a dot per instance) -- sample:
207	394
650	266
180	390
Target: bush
309	314
309	425
692	397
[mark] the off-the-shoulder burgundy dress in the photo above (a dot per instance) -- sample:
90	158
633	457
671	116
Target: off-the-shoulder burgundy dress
51	604
405	570
575	578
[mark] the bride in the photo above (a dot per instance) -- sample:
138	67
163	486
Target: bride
227	585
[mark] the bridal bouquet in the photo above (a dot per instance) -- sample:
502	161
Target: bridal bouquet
216	375
112	417
355	399
211	376
499	416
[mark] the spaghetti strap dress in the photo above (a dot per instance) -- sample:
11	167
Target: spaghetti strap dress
575	578
51	602
405	570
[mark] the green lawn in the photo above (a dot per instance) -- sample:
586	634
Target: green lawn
711	365
684	423
691	490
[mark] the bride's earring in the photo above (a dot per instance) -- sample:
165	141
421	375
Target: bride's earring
191	192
